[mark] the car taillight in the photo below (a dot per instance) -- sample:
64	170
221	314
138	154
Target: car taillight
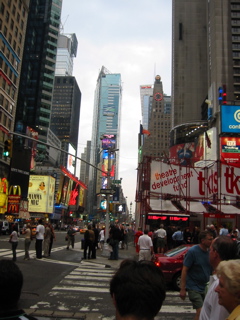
157	263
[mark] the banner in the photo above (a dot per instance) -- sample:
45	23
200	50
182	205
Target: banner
198	183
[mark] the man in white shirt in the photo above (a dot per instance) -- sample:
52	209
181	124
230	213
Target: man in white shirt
222	248
145	247
161	239
40	230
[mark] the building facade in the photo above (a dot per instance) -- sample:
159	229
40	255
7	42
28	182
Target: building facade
13	23
37	76
156	142
106	121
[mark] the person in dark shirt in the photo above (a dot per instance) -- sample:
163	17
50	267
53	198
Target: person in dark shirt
115	236
11	282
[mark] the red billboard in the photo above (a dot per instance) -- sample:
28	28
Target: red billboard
230	151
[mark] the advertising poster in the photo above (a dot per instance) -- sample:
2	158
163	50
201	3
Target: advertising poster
41	193
230	119
230	151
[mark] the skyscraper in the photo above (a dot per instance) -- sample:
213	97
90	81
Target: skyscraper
205	56
38	67
156	143
189	60
146	95
106	121
13	18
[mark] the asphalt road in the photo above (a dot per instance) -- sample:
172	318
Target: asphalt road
65	287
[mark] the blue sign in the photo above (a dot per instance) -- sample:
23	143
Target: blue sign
230	116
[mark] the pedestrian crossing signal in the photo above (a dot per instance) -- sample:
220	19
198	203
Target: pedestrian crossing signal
7	152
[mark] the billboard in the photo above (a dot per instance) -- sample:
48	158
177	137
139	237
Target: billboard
194	182
230	119
71	159
41	194
230	150
108	141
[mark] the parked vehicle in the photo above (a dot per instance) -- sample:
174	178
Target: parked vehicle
171	263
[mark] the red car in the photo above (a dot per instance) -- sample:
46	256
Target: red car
171	263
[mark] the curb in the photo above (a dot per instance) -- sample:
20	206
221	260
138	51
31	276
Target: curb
63	314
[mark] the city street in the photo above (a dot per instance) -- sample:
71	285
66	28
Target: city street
63	286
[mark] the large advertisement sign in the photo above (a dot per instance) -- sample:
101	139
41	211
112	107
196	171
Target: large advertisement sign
71	159
203	148
108	141
230	118
230	150
41	194
196	183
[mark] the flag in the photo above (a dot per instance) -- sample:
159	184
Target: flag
208	140
144	131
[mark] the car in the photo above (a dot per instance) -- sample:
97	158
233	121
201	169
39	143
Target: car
76	228
83	230
171	263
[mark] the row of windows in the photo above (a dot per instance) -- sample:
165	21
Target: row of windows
9	89
8	106
19	5
8	71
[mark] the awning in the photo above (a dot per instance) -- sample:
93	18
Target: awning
195	207
226	208
162	205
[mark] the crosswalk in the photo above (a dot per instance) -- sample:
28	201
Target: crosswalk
90	280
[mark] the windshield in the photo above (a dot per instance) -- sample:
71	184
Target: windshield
175	251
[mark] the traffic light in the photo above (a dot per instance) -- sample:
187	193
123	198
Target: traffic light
220	95
7	152
224	95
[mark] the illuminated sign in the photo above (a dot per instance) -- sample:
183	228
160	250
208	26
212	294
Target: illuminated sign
41	193
71	159
230	150
230	116
171	218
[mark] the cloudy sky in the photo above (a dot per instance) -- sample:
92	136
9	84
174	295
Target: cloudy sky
130	37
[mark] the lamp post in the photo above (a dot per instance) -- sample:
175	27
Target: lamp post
105	251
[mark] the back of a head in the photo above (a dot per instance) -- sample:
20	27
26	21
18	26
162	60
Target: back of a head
11	281
145	231
89	227
138	289
226	247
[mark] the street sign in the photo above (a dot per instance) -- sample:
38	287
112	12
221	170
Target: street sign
107	191
116	181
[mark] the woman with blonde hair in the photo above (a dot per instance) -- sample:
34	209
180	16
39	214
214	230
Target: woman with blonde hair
228	288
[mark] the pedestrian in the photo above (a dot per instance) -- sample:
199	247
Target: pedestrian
95	241
161	239
102	238
70	237
125	238
228	289
187	236
40	230
178	237
145	247
53	237
11	282
115	236
195	236
47	239
14	241
137	290
224	231
222	248
28	239
89	239
196	272
136	237
170	242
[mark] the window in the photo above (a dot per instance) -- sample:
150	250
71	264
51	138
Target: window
2	8
7	16
14	10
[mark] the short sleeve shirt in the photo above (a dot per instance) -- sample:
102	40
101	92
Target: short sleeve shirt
199	268
145	242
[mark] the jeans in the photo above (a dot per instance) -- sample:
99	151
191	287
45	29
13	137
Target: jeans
27	245
14	247
39	248
114	253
